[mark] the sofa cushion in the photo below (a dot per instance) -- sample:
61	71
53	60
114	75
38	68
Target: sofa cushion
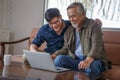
112	45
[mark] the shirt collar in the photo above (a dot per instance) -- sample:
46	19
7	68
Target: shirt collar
85	22
49	28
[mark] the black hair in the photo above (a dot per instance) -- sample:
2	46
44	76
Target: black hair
51	13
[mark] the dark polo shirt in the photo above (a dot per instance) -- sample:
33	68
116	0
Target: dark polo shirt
54	41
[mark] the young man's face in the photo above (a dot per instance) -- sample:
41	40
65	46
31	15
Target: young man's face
56	23
75	18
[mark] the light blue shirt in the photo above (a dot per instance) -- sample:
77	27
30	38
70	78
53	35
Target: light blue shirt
78	51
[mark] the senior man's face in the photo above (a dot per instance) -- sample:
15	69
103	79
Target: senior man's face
75	18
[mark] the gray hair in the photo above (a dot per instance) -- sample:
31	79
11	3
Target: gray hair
81	9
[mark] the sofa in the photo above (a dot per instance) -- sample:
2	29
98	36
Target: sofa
112	47
29	39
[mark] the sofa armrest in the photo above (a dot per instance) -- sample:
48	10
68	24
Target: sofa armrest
2	44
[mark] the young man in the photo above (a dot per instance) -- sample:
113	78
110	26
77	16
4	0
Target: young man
52	32
83	44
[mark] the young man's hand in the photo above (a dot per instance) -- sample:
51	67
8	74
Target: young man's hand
98	21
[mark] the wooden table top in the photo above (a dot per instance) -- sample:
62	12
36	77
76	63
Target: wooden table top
19	71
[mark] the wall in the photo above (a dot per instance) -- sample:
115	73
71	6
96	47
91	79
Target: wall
1	12
5	11
26	14
22	16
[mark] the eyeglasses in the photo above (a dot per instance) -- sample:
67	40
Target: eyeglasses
55	22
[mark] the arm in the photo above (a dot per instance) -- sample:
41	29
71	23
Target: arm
96	42
33	47
62	51
68	38
96	48
38	41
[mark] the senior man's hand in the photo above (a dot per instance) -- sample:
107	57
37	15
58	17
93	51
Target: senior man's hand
53	56
86	63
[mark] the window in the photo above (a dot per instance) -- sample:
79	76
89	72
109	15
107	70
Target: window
106	10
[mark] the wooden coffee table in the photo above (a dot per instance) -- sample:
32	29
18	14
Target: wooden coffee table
19	71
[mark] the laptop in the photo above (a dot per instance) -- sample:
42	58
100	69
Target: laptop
42	60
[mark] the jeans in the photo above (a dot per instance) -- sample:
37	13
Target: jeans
66	61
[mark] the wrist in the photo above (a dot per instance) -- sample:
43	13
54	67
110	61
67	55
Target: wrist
89	60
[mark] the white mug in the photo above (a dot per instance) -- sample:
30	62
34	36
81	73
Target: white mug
7	59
